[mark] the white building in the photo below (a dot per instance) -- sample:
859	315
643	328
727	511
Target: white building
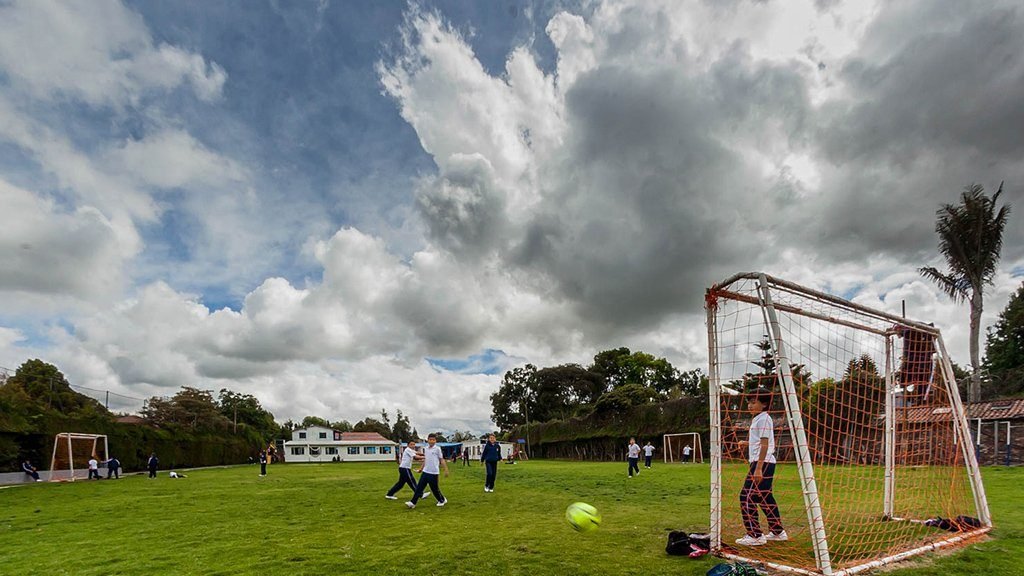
319	444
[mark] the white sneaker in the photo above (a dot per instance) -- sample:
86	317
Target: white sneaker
410	505
749	540
425	495
391	497
442	503
780	537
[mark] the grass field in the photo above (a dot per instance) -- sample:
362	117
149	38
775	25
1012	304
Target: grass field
332	519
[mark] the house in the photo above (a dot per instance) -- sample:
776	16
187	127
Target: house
319	444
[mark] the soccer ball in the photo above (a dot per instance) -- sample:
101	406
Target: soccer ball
582	517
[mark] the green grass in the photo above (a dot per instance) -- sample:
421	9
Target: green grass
333	519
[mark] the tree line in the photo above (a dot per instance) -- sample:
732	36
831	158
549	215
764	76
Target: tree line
617	380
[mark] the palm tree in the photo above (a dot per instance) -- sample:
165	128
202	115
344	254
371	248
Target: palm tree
970	238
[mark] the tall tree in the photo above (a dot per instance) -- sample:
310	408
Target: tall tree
314	421
402	430
510	404
970	239
1004	348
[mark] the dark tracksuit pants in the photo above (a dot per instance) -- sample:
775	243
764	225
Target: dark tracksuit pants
152	471
760	495
634	464
427	479
405	478
647	461
263	468
113	471
492	474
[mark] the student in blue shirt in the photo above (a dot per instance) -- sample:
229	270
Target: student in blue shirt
490	458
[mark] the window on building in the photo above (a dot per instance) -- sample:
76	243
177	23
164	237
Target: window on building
323	434
302	434
385	449
353	449
298	451
330	450
369	449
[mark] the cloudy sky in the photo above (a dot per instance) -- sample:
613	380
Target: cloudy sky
346	206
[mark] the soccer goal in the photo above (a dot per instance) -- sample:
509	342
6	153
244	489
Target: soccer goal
874	455
673	447
71	454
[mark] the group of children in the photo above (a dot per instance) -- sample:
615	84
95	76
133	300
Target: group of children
755	494
432	460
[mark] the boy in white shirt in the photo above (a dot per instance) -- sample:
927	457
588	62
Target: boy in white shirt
633	455
405	477
648	454
757	488
94	468
433	459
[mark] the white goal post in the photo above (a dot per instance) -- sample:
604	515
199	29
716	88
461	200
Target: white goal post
71	454
672	447
873	459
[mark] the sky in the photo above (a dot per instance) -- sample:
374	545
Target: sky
343	207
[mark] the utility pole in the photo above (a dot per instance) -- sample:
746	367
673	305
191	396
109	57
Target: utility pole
106	403
526	406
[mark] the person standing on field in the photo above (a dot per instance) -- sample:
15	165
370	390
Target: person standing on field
263	462
94	468
113	467
490	458
648	454
633	456
153	461
405	477
686	453
757	488
433	459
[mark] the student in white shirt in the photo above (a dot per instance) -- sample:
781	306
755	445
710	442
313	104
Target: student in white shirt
405	477
686	453
757	488
94	468
433	459
633	456
648	454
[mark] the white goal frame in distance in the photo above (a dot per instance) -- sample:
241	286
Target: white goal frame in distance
805	467
698	449
55	475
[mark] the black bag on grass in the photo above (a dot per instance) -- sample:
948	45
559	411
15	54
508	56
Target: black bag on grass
678	544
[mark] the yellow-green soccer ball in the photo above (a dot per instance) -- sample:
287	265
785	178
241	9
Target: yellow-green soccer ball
582	517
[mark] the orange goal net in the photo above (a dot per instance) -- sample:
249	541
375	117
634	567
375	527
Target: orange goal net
867	456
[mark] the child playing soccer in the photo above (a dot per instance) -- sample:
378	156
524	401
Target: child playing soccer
433	458
757	488
633	456
648	455
405	477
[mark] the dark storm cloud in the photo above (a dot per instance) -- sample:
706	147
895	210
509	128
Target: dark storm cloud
656	202
940	110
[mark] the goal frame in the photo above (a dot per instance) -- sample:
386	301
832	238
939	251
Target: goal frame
794	419
72	436
698	448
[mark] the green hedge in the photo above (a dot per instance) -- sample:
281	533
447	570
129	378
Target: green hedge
130	443
605	436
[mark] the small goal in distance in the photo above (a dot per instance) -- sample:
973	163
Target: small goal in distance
71	454
672	446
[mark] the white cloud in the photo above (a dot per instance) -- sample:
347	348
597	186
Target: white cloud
47	251
97	51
